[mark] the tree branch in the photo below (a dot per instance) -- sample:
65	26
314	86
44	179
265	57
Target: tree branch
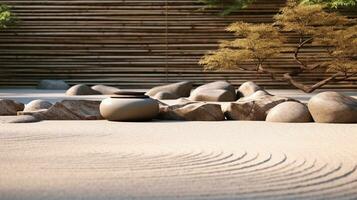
309	89
297	51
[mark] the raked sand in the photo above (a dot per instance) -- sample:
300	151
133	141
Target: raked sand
177	160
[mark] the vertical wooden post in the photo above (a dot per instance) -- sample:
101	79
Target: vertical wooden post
167	40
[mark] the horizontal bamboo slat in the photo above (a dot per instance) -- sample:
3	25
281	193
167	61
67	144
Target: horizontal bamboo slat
123	43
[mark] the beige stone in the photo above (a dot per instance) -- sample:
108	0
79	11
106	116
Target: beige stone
81	89
192	111
253	109
10	107
333	107
106	90
88	110
213	95
37	105
68	110
18	119
248	88
165	96
180	89
214	91
129	109
217	85
289	112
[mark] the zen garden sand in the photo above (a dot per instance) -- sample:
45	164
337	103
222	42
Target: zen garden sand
160	159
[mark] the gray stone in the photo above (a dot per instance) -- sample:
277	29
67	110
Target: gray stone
289	112
69	110
333	107
215	95
106	90
129	109
81	89
18	119
37	105
52	85
215	91
192	111
180	89
248	88
10	107
253	109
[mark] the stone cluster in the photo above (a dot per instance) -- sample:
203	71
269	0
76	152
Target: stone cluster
214	101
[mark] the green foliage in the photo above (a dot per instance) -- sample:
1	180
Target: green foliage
228	6
333	3
6	17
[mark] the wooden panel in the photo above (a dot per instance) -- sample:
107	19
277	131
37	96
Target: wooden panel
123	43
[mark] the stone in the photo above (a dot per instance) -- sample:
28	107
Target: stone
106	90
192	111
333	107
253	109
215	91
248	88
81	89
129	109
37	105
289	112
165	96
180	89
88	110
255	95
213	95
18	119
56	112
10	107
68	110
52	85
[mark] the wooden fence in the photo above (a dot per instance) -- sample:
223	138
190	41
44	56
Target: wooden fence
127	43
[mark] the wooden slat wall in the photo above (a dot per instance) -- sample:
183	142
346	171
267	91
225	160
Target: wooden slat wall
123	43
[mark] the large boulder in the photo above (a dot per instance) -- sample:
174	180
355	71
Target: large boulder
84	108
333	107
18	119
192	111
255	95
37	105
129	108
171	91
69	110
106	90
10	107
52	85
289	112
253	109
165	95
213	95
81	89
215	91
248	88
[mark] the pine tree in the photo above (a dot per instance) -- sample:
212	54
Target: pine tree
313	26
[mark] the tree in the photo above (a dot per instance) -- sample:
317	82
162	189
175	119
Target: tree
336	34
6	17
255	42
